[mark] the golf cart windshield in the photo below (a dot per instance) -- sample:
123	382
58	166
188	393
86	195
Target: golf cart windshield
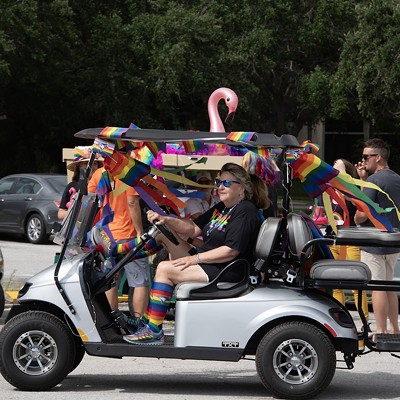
77	224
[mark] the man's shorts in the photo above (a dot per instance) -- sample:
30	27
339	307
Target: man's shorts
138	272
381	265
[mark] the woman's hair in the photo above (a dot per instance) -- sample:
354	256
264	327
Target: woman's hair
242	176
349	167
260	193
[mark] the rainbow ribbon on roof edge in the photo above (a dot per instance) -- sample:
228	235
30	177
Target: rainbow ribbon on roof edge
240	136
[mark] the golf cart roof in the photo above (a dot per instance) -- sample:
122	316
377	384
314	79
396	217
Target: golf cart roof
172	136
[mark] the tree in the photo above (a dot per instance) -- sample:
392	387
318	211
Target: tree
368	75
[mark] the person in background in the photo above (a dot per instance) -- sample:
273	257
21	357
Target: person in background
260	194
72	187
380	260
347	252
229	231
127	224
196	206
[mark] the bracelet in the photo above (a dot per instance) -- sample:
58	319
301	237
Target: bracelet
197	258
189	240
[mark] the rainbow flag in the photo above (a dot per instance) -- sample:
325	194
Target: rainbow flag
192	146
310	147
240	136
106	149
113	132
126	169
155	147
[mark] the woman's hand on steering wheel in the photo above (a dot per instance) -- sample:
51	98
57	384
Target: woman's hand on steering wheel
159	221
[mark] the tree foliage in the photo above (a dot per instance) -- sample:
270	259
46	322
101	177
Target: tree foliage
68	65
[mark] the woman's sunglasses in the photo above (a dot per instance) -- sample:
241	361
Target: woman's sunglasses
227	183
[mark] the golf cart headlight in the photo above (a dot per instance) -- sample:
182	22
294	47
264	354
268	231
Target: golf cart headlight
24	290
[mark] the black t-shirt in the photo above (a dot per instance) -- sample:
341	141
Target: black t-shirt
69	192
236	227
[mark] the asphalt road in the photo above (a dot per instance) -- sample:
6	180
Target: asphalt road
375	376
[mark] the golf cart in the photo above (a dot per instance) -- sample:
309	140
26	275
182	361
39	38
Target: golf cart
291	325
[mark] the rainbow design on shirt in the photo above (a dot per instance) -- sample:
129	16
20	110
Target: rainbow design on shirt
218	221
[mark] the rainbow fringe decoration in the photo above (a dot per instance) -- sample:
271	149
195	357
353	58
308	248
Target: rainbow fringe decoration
240	136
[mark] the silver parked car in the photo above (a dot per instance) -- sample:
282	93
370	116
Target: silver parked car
29	204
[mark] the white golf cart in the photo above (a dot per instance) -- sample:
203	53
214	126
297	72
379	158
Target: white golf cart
291	325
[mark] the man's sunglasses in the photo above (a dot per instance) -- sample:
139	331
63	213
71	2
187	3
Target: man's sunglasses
366	157
227	183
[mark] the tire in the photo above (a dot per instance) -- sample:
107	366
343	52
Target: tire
35	229
2	300
79	353
296	360
37	351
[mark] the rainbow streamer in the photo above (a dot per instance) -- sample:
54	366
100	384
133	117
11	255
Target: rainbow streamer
192	146
112	132
319	177
240	136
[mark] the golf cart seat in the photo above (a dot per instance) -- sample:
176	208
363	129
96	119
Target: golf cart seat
327	269
217	288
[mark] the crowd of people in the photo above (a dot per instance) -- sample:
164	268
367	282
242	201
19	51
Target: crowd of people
218	228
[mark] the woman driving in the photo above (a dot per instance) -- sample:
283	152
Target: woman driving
229	231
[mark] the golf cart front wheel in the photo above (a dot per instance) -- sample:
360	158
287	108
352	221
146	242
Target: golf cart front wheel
37	351
296	360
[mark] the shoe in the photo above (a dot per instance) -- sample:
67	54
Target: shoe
129	324
145	336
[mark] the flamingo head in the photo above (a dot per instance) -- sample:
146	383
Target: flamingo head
231	101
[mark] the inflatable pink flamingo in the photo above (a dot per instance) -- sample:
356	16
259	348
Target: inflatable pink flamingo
231	101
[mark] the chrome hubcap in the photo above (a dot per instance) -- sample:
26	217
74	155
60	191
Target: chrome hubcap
295	361
35	353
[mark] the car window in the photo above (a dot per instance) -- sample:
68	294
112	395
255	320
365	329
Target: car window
6	184
27	186
58	183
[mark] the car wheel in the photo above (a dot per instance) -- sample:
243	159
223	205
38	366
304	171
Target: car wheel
35	229
2	301
37	351
296	360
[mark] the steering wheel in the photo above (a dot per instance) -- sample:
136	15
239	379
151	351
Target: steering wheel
167	233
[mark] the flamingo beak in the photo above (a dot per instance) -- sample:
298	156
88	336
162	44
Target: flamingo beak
229	118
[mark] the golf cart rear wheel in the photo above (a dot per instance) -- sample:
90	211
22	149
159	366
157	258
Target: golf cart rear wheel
296	360
37	351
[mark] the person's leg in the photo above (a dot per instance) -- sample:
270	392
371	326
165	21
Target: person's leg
167	276
138	277
380	303
380	306
393	303
353	253
338	294
112	297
